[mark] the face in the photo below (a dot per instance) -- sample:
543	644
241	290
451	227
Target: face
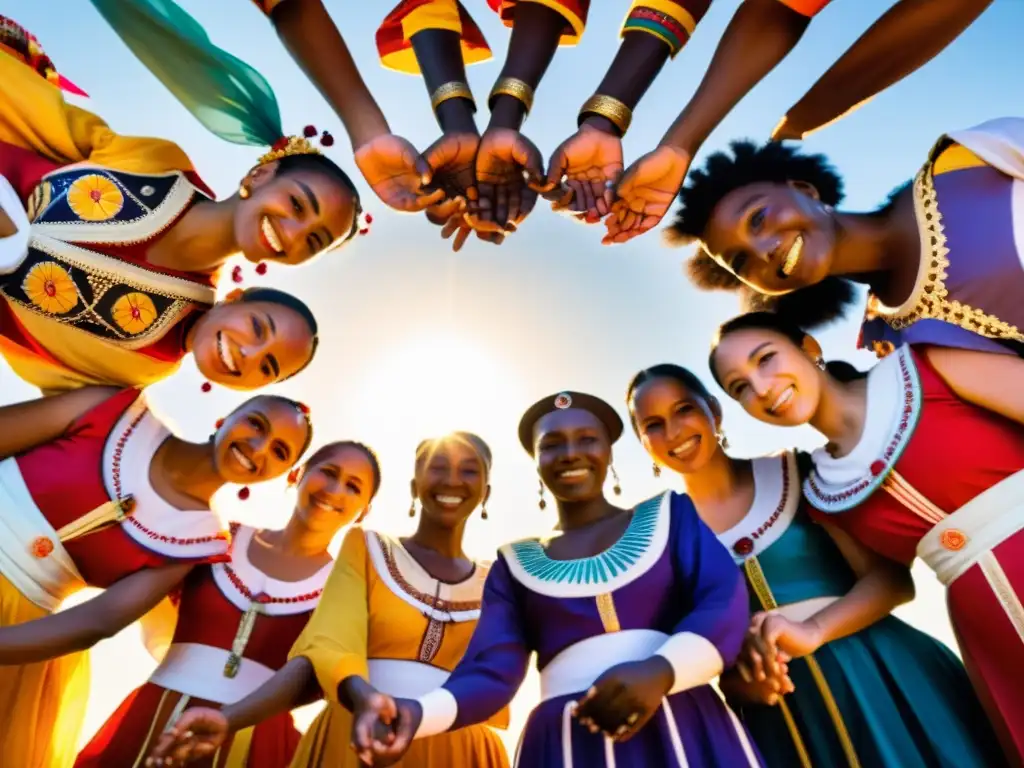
774	380
450	483
259	441
250	344
677	428
776	238
336	490
292	217
573	452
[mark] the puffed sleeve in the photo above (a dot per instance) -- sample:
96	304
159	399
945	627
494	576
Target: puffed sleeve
335	638
573	11
394	36
492	668
709	636
671	21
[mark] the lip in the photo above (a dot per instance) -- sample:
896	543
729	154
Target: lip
789	257
270	237
782	401
226	355
242	458
449	500
574	475
686	449
324	505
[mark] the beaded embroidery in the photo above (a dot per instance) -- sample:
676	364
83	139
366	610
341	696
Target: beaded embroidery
744	545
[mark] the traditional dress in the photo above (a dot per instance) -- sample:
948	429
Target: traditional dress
384	618
234	630
888	696
969	199
85	306
942	479
666	587
62	528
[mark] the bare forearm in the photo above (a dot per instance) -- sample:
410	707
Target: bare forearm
285	691
311	37
872	598
637	64
759	36
534	42
439	55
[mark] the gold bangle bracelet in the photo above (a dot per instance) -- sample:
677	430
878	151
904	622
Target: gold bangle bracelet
452	90
514	87
610	109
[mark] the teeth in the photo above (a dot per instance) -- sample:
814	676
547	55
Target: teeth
793	255
324	505
689	444
452	501
242	459
268	232
573	473
784	397
225	354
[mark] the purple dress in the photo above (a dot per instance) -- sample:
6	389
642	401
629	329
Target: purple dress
666	587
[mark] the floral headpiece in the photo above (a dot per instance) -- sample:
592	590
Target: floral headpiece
297	145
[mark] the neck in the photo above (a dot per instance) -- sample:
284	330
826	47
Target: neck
580	514
189	468
201	240
840	410
721	478
446	542
870	244
296	540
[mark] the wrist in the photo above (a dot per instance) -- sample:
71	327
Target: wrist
816	633
660	669
600	123
366	129
507	112
456	116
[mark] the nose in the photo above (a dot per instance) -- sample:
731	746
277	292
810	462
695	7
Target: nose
761	386
259	446
671	430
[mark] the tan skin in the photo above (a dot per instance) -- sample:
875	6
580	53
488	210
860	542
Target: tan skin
269	432
265	341
330	494
7	227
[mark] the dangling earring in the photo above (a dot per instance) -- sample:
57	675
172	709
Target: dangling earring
293	477
820	362
542	503
656	469
616	489
722	439
243	492
207	386
483	512
243	192
412	508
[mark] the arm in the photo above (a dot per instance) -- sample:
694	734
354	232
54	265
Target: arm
983	378
85	625
24	426
904	39
7	227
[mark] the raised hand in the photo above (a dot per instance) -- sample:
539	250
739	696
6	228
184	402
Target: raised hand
583	171
625	697
645	193
397	173
197	734
509	175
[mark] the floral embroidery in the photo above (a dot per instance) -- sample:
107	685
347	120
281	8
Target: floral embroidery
134	312
95	198
50	287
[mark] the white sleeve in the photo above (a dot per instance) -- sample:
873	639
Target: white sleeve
14	248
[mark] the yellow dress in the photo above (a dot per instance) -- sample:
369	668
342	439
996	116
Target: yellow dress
383	617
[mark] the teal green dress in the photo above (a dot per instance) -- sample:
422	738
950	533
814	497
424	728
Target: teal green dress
889	696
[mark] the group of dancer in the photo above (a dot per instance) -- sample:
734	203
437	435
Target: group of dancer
774	576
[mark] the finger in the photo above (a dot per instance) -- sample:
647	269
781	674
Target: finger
528	158
423	169
460	238
426	199
451	226
745	672
562	200
578	204
501	205
590	204
756	665
602	198
515	204
556	169
485	201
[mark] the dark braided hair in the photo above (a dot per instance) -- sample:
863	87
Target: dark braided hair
724	173
274	296
682	376
325	166
324	450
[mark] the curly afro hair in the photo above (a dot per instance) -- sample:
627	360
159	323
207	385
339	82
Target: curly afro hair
748	163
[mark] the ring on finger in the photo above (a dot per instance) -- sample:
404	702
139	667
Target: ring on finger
633	717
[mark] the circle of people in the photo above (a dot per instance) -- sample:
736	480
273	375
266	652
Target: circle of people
773	577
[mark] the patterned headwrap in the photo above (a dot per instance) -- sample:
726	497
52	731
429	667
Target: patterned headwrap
18	42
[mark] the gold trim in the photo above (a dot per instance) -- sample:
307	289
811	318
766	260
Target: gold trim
903	492
1003	590
759	583
606	610
930	297
451	90
514	87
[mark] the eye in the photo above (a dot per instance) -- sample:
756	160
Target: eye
354	487
652	426
738	262
329	471
281	451
296	204
257	327
256	423
756	220
738	389
765	358
684	409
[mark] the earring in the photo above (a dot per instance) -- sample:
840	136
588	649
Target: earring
243	192
293	477
722	439
483	512
656	469
243	492
542	503
412	509
820	362
616	489
207	386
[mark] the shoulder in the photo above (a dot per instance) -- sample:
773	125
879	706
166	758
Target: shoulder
353	546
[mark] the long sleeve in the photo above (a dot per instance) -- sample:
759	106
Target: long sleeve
709	637
573	11
394	36
335	638
492	668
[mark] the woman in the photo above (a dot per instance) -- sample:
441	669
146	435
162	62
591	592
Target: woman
395	618
892	478
765	221
869	690
97	492
631	613
236	622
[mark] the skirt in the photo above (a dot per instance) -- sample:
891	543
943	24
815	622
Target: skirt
902	698
127	737
693	729
42	705
327	744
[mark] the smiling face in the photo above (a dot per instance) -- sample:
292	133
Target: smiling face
776	238
261	440
291	217
336	490
677	428
450	482
774	380
250	344
573	453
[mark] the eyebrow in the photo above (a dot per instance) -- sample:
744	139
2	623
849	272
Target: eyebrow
272	361
747	203
758	348
309	194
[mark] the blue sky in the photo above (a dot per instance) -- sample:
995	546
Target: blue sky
418	340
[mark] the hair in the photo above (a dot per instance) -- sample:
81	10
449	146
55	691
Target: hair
772	321
317	163
683	376
724	173
477	443
324	450
274	296
303	410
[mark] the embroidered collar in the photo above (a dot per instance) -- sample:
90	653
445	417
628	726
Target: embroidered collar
410	581
892	410
240	581
627	559
154	524
776	499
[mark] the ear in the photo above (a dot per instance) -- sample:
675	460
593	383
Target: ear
716	410
811	348
412	489
260	175
805	188
362	515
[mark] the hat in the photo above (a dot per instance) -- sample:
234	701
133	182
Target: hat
563	401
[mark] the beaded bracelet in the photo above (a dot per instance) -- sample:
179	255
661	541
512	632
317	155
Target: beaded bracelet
609	108
660	25
514	87
452	90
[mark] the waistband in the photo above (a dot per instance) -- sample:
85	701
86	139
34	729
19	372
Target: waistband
198	670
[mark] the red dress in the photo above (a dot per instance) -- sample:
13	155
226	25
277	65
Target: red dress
936	477
221	607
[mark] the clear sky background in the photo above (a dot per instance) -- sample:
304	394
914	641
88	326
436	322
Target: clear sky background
417	340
